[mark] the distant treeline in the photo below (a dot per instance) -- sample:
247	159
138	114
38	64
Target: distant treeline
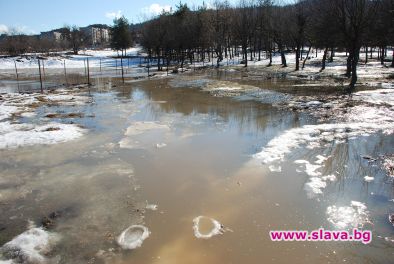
253	28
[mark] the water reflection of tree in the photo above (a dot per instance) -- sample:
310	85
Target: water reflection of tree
246	116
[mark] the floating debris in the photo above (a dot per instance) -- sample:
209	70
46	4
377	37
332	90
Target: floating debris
391	219
133	236
217	229
152	207
388	165
369	178
161	145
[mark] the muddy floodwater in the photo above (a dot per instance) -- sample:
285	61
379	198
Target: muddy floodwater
159	153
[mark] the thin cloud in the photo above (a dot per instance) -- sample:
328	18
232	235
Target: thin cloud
3	29
113	15
156	9
18	29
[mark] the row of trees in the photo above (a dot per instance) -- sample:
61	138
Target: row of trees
256	28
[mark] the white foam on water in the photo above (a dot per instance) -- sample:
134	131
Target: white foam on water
133	237
217	228
344	217
30	247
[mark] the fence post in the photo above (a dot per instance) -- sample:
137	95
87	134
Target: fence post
84	66
87	67
121	65
39	70
43	70
17	76
65	71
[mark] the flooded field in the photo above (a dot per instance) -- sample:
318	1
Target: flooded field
203	164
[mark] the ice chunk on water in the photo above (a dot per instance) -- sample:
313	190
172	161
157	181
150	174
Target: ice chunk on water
30	247
152	207
161	145
138	128
353	216
133	236
314	187
217	227
275	168
368	178
310	169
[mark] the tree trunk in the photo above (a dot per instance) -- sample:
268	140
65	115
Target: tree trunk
392	61
245	53
323	62
349	64
307	55
366	54
332	54
282	55
356	56
382	56
283	58
297	68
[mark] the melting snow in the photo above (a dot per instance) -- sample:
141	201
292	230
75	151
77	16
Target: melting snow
29	247
344	217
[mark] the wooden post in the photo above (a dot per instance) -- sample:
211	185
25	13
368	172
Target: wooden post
116	66
39	70
100	65
65	71
43	70
148	67
87	67
17	76
84	66
121	65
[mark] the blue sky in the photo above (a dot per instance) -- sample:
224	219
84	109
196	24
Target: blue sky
33	16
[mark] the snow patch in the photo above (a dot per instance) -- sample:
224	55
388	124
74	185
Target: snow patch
20	135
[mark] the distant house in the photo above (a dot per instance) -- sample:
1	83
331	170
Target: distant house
97	34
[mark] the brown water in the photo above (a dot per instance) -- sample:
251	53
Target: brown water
206	168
